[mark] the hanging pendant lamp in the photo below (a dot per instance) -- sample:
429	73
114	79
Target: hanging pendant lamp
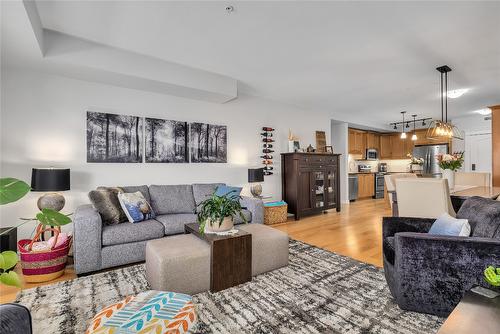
403	133
442	128
414	136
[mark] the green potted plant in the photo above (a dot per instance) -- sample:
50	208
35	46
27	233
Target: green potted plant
12	190
216	213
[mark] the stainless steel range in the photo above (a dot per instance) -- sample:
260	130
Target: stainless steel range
379	185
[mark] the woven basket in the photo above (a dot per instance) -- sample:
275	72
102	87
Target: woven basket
275	214
43	266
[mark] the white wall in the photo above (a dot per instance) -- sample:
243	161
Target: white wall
470	125
43	120
340	145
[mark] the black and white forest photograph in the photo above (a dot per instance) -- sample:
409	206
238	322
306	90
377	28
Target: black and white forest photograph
113	138
166	140
208	142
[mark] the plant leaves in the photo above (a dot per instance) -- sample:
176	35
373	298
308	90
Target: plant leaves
11	278
8	260
12	189
49	217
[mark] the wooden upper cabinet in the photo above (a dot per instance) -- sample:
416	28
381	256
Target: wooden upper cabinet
409	145
385	151
398	146
357	141
373	140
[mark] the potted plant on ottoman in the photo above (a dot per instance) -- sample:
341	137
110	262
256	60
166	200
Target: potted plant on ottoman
218	212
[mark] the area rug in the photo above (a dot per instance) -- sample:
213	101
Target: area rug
319	292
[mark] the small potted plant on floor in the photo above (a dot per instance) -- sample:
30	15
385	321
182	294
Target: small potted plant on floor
216	213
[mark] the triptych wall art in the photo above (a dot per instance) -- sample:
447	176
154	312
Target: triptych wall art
119	138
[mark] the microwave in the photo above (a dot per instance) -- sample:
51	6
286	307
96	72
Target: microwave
371	154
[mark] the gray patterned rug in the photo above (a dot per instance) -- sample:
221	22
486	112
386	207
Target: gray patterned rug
319	292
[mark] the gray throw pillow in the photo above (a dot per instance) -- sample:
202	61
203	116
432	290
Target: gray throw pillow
105	201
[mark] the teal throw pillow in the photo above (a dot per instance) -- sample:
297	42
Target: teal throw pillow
230	192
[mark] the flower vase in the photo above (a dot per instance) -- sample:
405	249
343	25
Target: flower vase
450	176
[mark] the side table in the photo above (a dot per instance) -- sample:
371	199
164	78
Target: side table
230	257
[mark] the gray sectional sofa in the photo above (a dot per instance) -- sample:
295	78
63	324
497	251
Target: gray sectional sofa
98	246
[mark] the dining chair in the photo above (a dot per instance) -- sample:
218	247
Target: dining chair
479	179
423	198
390	182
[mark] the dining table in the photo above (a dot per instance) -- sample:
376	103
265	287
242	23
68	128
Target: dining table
458	195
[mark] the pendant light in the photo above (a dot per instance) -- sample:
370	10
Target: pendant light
414	136
442	128
403	133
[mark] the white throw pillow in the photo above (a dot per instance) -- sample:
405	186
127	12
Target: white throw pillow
448	225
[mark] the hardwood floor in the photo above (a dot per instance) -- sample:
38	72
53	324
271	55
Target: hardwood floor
355	231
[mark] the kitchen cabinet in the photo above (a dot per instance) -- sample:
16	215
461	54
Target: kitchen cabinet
366	185
310	182
373	140
385	151
357	141
398	146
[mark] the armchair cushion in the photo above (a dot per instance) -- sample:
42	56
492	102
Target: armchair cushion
483	215
448	225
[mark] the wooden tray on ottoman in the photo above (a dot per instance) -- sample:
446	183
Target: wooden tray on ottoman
230	257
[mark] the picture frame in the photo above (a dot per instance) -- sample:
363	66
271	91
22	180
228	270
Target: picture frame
329	149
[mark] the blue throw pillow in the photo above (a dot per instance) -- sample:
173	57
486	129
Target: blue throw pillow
448	225
136	207
230	192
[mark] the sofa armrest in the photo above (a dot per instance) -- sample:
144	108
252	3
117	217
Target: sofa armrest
87	240
435	271
393	225
255	206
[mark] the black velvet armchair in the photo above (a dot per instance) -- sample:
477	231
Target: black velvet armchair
430	273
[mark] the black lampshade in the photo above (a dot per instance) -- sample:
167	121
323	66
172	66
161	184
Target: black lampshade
50	179
255	175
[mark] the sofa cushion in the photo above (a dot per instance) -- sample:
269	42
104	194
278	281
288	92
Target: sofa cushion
143	189
202	191
174	223
483	215
105	201
247	214
131	232
167	199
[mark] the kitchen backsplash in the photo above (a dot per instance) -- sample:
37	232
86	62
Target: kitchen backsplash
393	166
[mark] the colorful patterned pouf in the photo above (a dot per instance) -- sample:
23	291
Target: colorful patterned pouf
148	312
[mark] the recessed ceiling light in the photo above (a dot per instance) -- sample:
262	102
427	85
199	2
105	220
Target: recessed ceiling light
484	112
453	94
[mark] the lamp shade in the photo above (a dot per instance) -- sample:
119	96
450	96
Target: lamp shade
255	175
50	179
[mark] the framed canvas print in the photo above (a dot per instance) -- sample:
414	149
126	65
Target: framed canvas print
320	141
166	141
208	143
114	138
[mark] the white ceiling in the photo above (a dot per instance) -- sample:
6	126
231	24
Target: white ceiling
371	58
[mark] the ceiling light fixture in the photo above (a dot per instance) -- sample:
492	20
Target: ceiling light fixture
454	94
403	134
442	128
423	122
484	112
395	126
414	136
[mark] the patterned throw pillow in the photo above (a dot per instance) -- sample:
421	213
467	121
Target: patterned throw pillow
136	207
105	200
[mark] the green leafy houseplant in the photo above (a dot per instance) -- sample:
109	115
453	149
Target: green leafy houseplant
12	190
215	208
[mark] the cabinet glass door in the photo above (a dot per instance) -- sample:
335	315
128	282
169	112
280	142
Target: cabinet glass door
319	189
330	187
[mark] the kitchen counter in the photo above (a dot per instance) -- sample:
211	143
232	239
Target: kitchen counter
355	173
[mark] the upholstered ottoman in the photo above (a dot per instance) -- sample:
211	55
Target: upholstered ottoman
269	248
148	312
178	263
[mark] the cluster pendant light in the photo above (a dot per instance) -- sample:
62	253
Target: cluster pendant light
442	128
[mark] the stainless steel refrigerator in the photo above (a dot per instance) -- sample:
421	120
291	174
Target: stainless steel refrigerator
428	153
